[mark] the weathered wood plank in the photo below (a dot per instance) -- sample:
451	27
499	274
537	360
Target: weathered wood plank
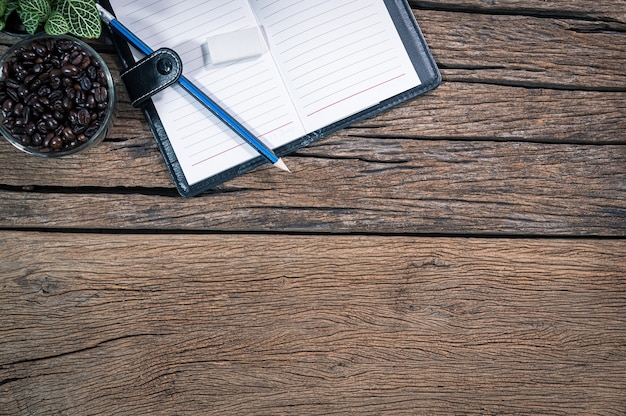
527	51
517	50
118	324
459	110
454	111
611	11
357	184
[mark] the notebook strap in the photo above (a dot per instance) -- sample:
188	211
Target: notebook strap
152	74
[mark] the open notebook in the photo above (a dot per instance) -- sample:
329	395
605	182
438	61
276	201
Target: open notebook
324	65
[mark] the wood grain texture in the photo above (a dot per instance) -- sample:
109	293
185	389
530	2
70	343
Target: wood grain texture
357	184
310	325
512	49
526	51
455	111
608	11
327	291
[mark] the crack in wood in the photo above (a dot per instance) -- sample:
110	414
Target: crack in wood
528	12
80	350
11	380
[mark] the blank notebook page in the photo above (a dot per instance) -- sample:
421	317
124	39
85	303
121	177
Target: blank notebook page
323	60
337	57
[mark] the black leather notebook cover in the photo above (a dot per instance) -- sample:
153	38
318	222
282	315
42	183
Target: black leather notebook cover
414	43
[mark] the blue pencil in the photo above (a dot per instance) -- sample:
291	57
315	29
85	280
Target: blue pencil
195	92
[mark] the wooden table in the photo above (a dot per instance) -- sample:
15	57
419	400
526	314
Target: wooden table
460	254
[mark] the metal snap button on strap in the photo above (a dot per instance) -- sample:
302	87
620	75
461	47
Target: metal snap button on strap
152	74
164	66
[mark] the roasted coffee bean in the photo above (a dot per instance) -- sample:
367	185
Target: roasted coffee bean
82	117
20	73
80	98
85	83
13	94
80	129
65	45
30	129
52	124
92	73
18	109
36	139
70	70
11	83
86	62
100	94
40	49
31	99
22	91
55	82
42	127
67	103
7	105
38	107
29	79
44	91
53	95
56	143
18	129
28	55
35	85
26	114
75	58
9	122
68	133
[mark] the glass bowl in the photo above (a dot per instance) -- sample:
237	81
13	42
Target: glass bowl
57	96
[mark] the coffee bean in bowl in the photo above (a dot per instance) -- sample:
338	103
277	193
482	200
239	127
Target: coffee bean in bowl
57	96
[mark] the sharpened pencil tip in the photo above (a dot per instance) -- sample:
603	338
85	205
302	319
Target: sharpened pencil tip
281	165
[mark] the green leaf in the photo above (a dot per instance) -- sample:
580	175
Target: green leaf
11	6
3	7
32	13
82	17
56	24
39	8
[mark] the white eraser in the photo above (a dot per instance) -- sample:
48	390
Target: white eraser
233	46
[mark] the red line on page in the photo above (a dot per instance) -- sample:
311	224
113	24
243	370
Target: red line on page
277	128
217	154
355	94
240	144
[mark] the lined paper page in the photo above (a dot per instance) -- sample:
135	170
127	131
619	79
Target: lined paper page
250	90
337	56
